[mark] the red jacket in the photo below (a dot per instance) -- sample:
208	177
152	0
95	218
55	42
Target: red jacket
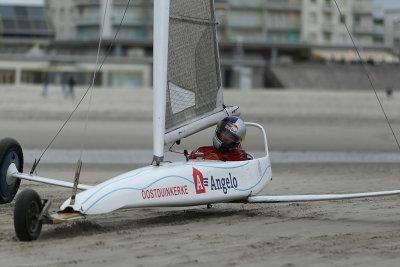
212	154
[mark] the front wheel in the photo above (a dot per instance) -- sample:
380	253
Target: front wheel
10	153
27	223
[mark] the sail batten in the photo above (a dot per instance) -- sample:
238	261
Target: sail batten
193	20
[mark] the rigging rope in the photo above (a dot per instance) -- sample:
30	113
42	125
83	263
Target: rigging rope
92	84
87	90
369	77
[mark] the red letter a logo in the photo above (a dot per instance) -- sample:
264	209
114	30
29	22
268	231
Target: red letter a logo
198	181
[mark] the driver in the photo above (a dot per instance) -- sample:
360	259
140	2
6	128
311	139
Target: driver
228	136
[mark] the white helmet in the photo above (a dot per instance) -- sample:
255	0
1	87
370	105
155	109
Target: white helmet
229	134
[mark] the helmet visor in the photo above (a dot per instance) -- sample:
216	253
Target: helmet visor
227	137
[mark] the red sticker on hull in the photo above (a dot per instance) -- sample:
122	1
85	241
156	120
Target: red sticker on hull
198	181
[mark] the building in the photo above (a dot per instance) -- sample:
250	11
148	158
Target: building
22	25
62	14
315	22
252	36
322	24
286	22
24	29
392	30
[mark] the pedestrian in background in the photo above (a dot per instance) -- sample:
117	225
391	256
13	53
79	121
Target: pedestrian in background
64	81
45	82
71	83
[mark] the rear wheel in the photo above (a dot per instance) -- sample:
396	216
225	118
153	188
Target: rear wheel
27	223
10	153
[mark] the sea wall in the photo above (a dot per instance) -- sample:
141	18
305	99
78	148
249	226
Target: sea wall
337	76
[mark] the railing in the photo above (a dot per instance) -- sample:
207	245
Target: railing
327	27
246	3
264	135
363	9
328	7
86	2
84	20
363	29
283	5
283	27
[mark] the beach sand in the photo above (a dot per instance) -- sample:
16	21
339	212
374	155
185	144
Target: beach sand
359	232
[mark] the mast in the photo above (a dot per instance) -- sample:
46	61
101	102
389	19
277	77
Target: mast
160	63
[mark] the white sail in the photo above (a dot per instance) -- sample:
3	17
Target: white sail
192	89
193	62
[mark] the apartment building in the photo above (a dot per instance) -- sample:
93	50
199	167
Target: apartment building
392	30
24	28
23	24
63	15
316	24
137	22
252	35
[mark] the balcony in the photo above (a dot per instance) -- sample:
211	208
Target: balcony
246	3
244	26
362	9
137	3
87	20
79	3
282	5
378	29
363	29
134	22
283	27
328	8
327	27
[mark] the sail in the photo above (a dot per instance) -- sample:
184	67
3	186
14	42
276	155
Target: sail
186	75
193	73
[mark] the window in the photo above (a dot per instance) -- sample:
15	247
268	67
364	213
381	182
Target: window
6	12
39	25
24	25
327	18
342	38
357	20
9	25
343	19
36	12
327	38
312	37
292	37
21	11
313	19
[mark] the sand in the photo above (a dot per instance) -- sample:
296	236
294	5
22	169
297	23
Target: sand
360	232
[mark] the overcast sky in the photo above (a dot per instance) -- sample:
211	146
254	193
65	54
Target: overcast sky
388	4
22	2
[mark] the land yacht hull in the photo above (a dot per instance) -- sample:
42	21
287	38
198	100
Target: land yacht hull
193	182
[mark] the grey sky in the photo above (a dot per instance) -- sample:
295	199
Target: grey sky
21	2
388	4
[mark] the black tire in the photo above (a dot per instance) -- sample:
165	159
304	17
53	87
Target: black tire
10	152
26	215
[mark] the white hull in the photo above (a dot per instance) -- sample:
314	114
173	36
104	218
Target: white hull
194	182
